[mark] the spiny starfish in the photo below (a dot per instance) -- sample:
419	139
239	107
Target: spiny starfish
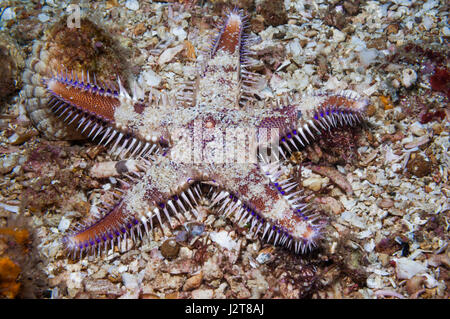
212	141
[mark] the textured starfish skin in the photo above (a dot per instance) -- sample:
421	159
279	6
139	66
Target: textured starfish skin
211	142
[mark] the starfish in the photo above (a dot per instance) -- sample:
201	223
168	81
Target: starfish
214	141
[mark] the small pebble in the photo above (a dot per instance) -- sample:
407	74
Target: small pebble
130	281
169	54
202	294
386	203
384	259
8	14
51	3
139	29
338	36
151	78
265	255
392	28
406	268
446	31
418	129
43	17
438	260
374	281
396	83
132	5
179	33
314	183
195	229
122	268
368	56
409	77
427	22
371	109
211	269
75	280
17	139
414	284
8	162
193	282
224	239
437	128
181	236
64	224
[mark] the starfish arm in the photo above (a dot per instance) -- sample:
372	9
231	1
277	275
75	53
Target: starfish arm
165	191
230	35
329	110
307	118
272	210
37	98
223	78
108	114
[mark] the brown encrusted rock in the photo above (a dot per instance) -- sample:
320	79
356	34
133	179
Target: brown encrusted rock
238	288
335	176
331	204
257	23
335	19
27	30
387	246
11	64
418	165
371	109
339	14
219	6
170	248
351	6
273	11
392	28
331	146
139	29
